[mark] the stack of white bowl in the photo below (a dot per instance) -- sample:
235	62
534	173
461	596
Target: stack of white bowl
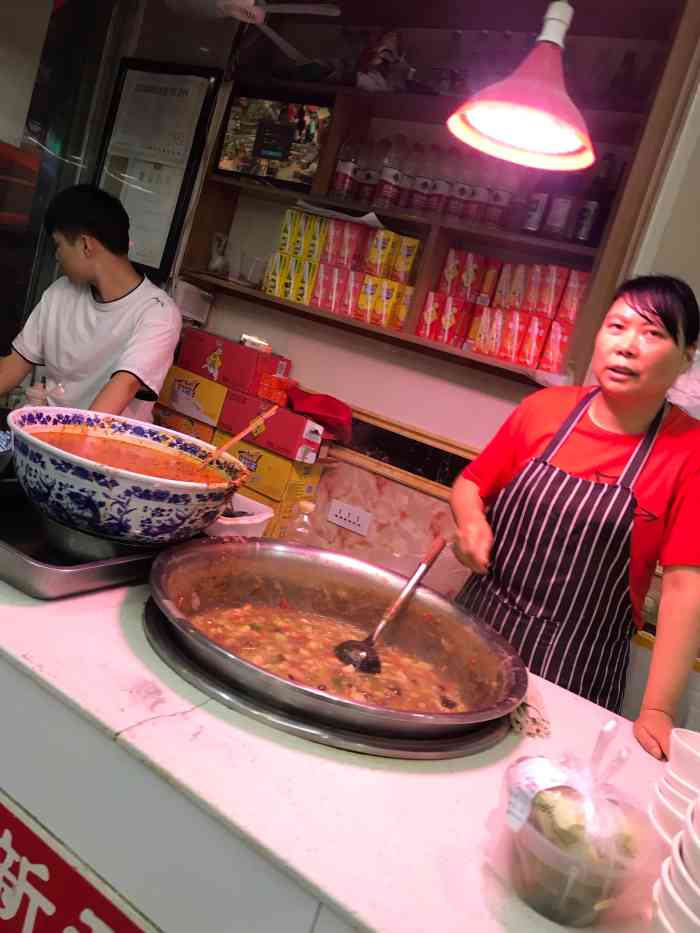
675	814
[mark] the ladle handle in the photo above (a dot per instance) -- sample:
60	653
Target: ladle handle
406	593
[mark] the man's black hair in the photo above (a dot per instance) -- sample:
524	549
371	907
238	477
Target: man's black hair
86	209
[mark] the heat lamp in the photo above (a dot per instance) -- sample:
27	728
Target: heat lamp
529	118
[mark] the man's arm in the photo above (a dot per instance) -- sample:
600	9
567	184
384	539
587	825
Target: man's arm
675	649
13	369
474	538
116	394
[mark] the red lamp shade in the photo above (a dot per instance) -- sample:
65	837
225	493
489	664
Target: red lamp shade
529	117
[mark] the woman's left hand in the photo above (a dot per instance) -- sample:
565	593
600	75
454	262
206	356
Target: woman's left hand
653	732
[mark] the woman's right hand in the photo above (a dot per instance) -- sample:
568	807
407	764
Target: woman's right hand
473	542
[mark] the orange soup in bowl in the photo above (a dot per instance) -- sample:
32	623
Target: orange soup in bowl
138	458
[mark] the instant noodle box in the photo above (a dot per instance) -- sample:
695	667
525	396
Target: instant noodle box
192	395
165	418
228	362
285	433
278	478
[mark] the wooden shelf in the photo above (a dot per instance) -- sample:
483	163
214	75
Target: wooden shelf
213	282
581	255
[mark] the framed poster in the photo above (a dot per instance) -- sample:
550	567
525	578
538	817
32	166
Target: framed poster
152	146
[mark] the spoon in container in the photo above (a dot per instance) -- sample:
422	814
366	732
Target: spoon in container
363	654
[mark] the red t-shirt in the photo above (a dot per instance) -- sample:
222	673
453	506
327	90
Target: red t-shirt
667	520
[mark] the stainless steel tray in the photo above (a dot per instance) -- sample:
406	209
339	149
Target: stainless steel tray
474	739
43	561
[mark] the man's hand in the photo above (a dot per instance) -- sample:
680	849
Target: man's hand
473	543
653	732
13	369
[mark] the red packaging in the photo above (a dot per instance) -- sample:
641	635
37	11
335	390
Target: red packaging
535	275
352	245
319	299
572	299
473	336
500	299
450	320
351	294
228	362
471	276
430	315
556	348
551	290
536	331
516	294
331	282
285	433
491	332
451	272
489	279
331	248
512	336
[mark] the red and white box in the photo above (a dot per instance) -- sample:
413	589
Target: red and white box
514	326
449	283
487	286
533	284
518	283
500	298
430	315
573	296
534	338
351	294
285	433
227	362
331	282
552	288
471	276
556	348
450	321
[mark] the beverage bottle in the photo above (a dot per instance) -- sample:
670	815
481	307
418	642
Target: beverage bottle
560	213
423	183
301	530
371	161
478	191
412	169
462	172
596	203
440	191
345	178
537	203
502	183
516	212
388	192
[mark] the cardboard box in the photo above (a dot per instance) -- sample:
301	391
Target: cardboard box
165	418
278	478
189	394
228	362
285	433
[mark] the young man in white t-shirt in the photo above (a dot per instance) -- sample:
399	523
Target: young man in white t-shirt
105	334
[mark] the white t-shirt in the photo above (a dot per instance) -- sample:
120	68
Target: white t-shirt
83	342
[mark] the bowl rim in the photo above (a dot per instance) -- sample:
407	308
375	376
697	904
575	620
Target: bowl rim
677	900
694	791
179	485
666	787
677	857
657	793
660	831
690	826
680	735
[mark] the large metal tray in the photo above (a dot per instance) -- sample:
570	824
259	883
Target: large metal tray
50	561
471	741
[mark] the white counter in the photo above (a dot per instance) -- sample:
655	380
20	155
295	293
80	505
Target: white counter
208	821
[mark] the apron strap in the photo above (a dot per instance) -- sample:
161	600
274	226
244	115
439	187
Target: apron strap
635	465
568	425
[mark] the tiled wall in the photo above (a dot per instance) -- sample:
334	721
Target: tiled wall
404	522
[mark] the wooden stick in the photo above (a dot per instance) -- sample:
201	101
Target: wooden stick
255	423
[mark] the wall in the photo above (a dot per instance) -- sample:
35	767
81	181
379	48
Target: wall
22	30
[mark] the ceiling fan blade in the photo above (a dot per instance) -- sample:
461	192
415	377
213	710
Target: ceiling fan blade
319	9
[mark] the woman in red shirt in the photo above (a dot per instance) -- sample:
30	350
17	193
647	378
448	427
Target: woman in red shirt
565	514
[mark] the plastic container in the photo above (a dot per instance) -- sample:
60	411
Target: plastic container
5	450
682	786
667	815
683	881
690	844
684	755
679	915
250	524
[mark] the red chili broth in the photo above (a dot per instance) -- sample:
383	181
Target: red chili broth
138	458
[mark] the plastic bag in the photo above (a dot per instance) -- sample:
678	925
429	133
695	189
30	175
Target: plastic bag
576	847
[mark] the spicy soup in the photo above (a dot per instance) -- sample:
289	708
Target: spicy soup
139	458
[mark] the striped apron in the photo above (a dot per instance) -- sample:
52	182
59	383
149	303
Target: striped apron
558	585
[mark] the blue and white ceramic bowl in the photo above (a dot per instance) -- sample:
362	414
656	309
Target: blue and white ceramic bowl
111	501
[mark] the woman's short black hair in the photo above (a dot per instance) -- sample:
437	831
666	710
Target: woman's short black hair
87	209
670	299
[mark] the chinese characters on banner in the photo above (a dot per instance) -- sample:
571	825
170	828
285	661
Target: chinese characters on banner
45	888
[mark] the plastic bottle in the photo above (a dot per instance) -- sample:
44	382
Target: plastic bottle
345	178
367	183
560	215
501	187
538	202
442	181
301	532
388	192
478	192
462	168
423	184
412	168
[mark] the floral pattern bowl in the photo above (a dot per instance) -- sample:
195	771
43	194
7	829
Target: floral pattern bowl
111	501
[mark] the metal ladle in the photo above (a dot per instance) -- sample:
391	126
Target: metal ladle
362	654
